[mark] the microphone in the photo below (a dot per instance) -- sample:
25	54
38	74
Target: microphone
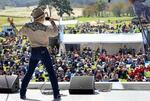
48	18
109	1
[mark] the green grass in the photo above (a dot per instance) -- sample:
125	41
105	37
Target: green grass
22	20
3	20
21	16
17	21
88	19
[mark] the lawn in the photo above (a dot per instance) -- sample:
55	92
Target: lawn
21	20
17	20
21	15
88	19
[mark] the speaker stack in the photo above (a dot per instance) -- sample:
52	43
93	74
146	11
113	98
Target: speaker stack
82	85
9	84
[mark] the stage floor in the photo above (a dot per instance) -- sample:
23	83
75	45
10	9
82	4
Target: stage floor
114	95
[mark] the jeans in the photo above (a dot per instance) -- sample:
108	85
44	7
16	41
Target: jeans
40	53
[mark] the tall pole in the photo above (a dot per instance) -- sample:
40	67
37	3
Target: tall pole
61	35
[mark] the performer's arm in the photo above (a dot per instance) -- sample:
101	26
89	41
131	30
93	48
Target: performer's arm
18	32
10	20
54	29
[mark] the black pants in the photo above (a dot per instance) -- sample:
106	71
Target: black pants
40	53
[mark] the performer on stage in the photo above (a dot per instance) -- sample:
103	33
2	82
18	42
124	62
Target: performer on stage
140	9
38	35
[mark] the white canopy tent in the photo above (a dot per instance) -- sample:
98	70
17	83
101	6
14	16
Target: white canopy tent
110	42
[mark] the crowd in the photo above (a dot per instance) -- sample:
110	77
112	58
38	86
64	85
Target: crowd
126	65
113	27
7	31
14	56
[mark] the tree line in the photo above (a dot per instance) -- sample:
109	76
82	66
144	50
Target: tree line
98	8
103	9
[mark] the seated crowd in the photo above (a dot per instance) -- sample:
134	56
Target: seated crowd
126	65
113	27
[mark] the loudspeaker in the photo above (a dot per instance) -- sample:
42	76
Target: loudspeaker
9	84
82	85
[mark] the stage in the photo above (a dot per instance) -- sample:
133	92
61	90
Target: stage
105	91
114	95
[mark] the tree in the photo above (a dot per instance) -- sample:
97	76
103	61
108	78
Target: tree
47	3
129	10
90	10
101	6
63	6
117	8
